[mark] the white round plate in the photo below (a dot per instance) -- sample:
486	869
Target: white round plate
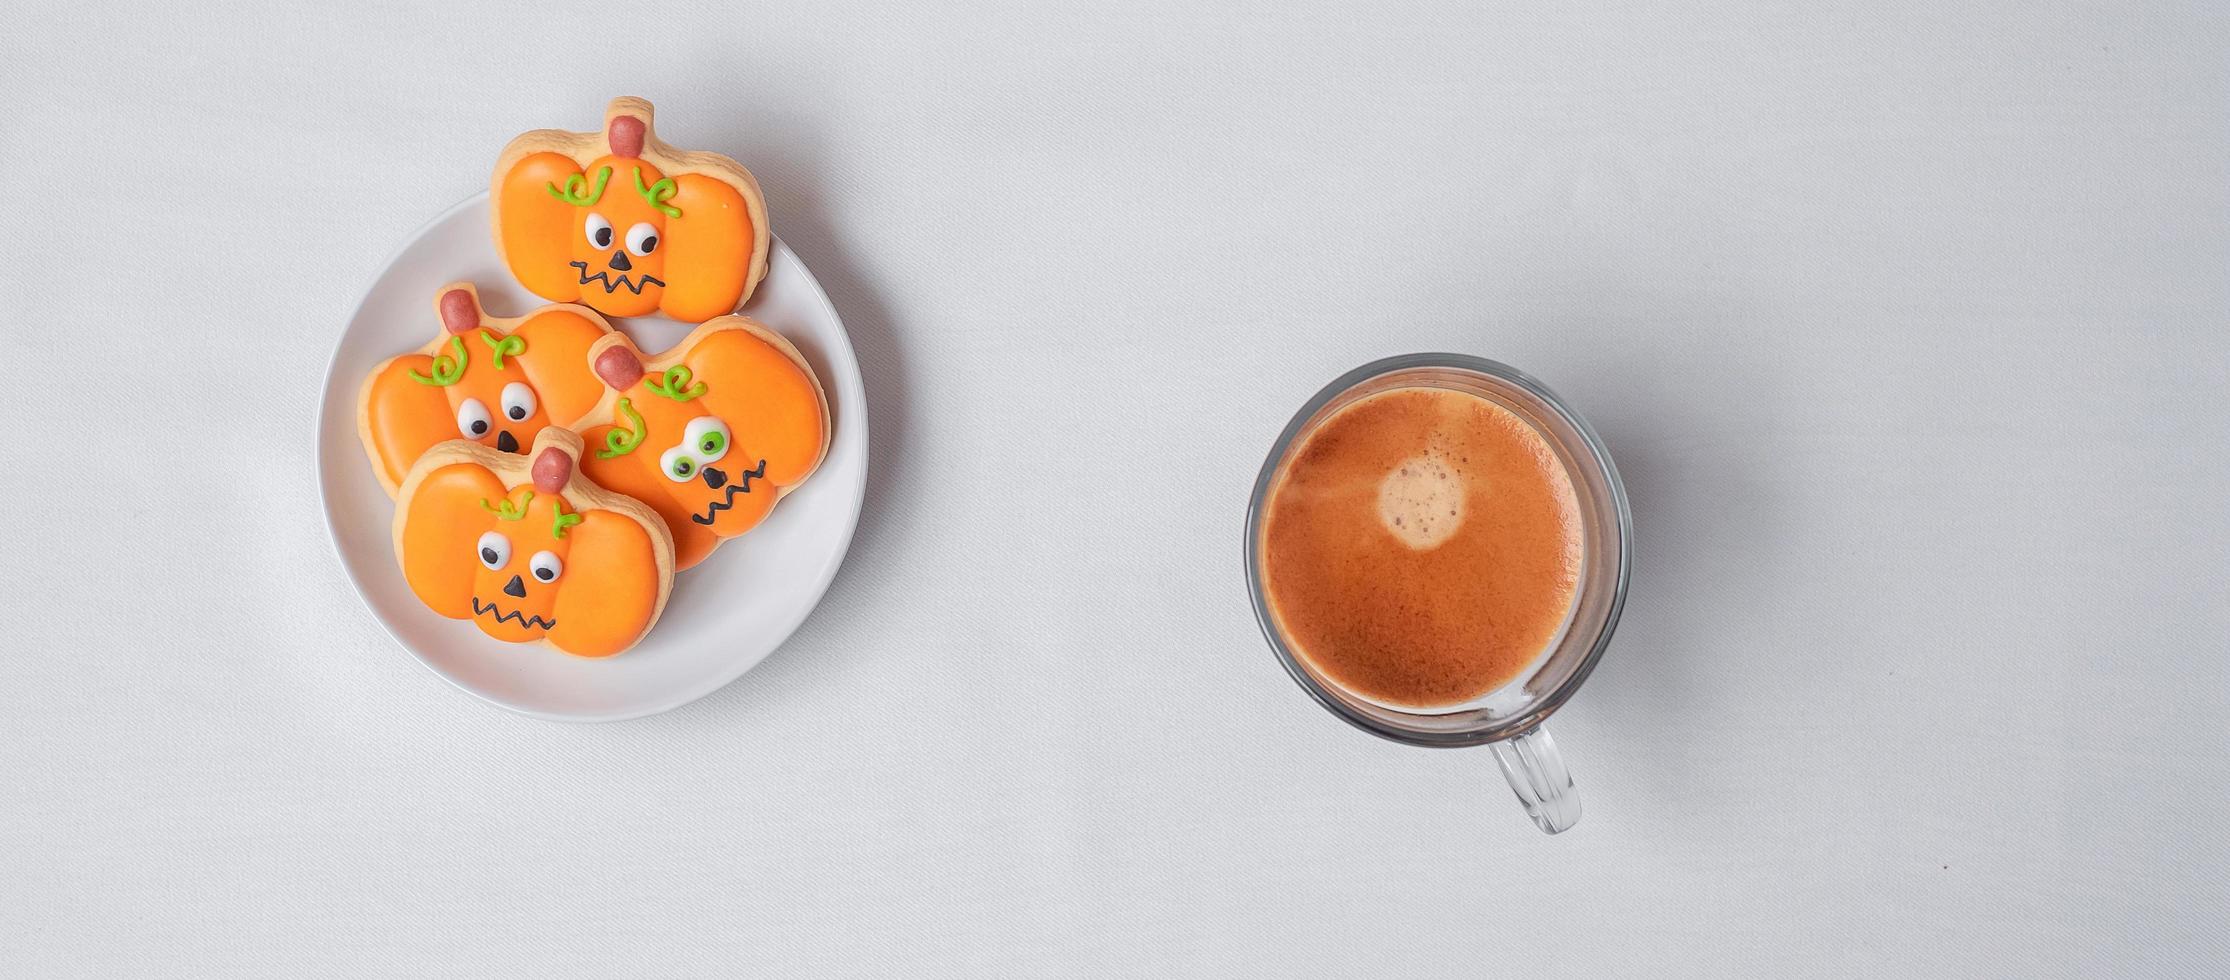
725	615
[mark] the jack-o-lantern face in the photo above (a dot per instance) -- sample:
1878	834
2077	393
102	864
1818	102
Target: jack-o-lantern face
532	551
496	381
711	433
627	225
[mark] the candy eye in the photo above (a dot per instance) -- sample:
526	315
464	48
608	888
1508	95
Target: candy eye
678	465
518	401
706	437
473	420
495	550
642	239
598	230
545	566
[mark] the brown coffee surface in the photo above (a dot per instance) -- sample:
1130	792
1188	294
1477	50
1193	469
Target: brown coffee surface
1422	548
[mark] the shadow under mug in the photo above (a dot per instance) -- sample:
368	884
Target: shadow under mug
1508	719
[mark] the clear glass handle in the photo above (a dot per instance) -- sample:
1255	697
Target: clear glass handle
1537	774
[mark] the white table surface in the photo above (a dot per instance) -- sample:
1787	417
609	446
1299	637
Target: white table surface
1909	325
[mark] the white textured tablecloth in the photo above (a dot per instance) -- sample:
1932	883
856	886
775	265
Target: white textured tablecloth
1909	326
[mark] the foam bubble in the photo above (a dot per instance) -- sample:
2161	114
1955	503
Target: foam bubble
1421	501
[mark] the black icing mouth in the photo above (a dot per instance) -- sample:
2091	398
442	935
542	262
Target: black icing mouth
611	285
741	484
514	616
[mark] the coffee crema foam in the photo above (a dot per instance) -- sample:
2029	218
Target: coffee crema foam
1422	501
1422	547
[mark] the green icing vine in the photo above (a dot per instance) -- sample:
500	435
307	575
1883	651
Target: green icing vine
575	195
508	511
677	384
562	521
447	369
658	194
511	344
622	440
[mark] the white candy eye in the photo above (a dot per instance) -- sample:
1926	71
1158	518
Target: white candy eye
678	465
495	550
706	438
545	566
518	401
642	239
473	420
599	230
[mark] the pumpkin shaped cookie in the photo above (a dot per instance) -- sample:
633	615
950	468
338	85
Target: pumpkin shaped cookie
494	380
710	433
532	550
623	223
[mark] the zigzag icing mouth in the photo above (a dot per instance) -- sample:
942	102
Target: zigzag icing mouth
742	484
514	616
610	285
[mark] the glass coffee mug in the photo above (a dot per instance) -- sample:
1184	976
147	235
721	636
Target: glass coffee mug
1508	719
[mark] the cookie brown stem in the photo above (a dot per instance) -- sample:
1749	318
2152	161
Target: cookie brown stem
552	469
460	311
625	134
619	368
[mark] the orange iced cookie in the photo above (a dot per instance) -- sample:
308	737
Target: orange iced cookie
496	381
532	550
710	433
623	223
